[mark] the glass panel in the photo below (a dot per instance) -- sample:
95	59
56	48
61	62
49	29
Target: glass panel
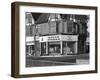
54	48
68	48
29	50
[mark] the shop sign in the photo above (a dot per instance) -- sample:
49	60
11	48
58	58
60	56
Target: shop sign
54	38
43	39
69	38
59	38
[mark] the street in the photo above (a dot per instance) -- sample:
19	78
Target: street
57	61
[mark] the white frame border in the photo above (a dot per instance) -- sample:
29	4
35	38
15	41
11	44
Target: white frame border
54	69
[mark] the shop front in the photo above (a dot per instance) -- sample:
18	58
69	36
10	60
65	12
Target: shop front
32	46
57	45
29	49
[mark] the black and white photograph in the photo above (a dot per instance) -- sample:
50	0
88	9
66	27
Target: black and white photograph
56	39
51	39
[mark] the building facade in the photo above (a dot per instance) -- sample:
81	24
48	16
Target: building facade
56	34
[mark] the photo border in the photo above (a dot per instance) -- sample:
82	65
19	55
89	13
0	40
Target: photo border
15	32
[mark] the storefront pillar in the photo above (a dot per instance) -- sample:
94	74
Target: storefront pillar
47	48
61	47
40	50
66	47
76	47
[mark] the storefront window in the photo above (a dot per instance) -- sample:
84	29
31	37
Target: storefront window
54	48
29	50
68	48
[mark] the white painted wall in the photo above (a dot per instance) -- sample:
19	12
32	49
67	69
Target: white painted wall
5	40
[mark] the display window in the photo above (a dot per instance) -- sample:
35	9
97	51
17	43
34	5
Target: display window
54	48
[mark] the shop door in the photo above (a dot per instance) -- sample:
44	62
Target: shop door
71	46
43	49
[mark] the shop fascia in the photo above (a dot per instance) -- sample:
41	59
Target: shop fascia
58	38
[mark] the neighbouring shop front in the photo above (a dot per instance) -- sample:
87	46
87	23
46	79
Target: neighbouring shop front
29	49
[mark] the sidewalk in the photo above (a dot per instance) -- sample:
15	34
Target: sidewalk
57	60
